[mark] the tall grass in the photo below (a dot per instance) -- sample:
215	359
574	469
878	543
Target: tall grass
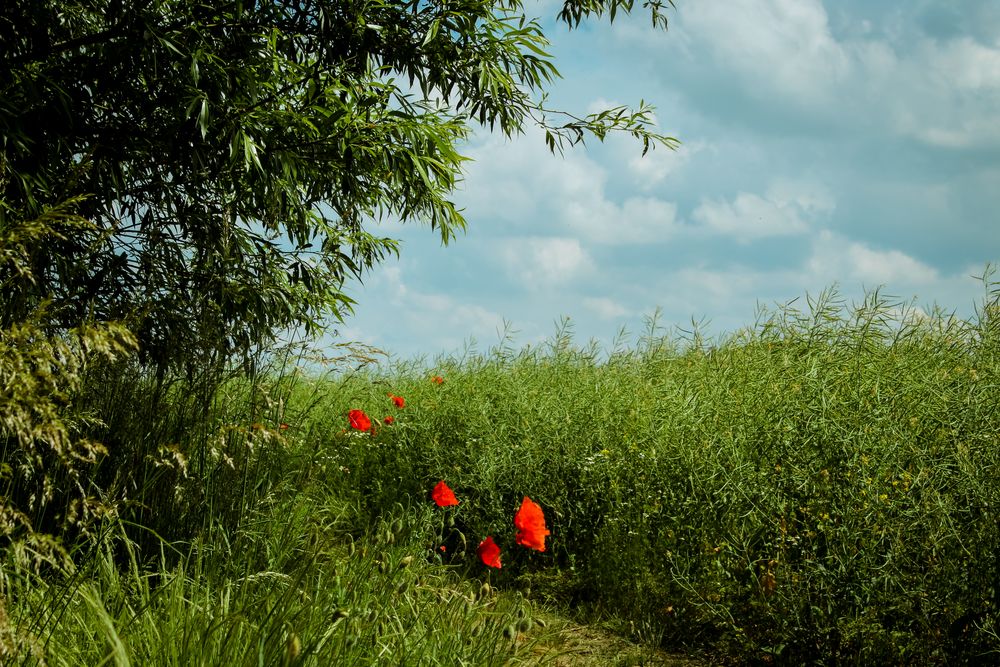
819	487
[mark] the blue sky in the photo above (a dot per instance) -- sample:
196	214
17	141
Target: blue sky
854	143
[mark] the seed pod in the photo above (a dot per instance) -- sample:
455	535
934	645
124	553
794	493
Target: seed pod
293	646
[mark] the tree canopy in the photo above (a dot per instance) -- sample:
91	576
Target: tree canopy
211	169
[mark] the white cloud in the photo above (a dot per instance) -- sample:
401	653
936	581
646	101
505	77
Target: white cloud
946	94
544	262
782	47
606	308
884	78
653	168
835	258
785	209
521	181
639	220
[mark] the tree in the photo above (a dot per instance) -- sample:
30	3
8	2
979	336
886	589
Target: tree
229	155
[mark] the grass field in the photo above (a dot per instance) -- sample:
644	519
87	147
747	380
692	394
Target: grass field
821	487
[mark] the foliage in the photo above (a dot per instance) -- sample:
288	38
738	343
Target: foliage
44	486
820	487
234	154
290	589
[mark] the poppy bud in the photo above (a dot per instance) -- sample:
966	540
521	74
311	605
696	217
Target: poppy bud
293	646
405	562
510	632
524	625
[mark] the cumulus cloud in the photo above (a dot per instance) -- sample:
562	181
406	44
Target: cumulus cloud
941	88
785	209
544	262
780	47
569	192
606	308
638	220
835	258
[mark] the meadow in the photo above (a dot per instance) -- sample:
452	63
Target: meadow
818	488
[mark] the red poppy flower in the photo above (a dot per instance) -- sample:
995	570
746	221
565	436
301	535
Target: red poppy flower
359	420
437	379
530	524
388	419
443	548
398	400
489	552
443	496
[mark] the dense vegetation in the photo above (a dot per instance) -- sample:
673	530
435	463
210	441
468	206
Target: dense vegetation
820	487
182	181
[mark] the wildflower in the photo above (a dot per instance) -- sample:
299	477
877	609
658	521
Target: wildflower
489	553
398	400
443	548
282	426
388	419
359	420
530	524
443	496
437	379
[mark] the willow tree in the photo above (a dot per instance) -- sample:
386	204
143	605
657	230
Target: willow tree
228	157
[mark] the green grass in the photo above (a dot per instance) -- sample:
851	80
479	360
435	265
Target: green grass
821	487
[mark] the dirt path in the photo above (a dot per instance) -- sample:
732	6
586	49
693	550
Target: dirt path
563	643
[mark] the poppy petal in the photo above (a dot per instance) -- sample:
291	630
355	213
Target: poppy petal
489	553
359	420
443	496
530	524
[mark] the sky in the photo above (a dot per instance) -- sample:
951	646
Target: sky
847	143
